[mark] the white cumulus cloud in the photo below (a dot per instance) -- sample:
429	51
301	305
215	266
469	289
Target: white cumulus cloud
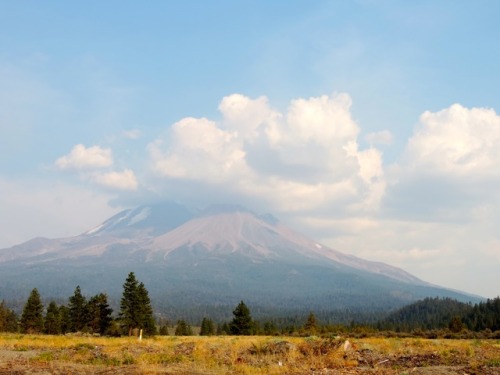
124	180
198	150
82	157
449	167
93	164
457	141
305	158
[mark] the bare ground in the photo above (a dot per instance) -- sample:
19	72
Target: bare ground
252	357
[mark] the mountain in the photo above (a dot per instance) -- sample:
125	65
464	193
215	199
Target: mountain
208	260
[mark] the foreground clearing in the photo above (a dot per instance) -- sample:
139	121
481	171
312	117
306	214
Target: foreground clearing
32	354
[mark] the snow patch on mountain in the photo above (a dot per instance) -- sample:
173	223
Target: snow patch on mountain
94	230
142	215
154	232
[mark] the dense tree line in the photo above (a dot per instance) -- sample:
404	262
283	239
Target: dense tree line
87	315
79	315
183	329
441	313
8	319
94	316
281	316
429	313
484	315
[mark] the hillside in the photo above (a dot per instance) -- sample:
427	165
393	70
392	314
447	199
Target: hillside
204	261
438	313
429	313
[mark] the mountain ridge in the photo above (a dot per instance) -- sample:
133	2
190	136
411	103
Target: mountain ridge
210	257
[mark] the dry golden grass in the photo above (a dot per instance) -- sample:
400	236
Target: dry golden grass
244	355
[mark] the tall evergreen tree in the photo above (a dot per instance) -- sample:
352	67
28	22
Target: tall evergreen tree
65	319
129	304
163	330
455	324
146	318
8	319
183	329
242	320
105	311
311	324
99	314
77	311
32	317
52	319
207	327
135	307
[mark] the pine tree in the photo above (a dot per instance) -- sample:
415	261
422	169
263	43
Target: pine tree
8	319
64	319
78	311
105	313
93	315
311	324
99	314
455	324
146	318
52	319
32	317
135	307
242	321
164	330
129	304
183	329
207	327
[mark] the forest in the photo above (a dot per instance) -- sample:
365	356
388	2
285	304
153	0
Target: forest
430	317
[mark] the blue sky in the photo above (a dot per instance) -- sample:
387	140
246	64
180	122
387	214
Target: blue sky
371	126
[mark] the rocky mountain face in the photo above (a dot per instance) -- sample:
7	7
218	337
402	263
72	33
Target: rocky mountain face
210	258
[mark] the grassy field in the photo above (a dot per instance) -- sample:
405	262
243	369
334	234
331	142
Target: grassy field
40	354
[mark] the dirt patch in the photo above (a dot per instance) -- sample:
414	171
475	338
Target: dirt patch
40	355
433	370
9	355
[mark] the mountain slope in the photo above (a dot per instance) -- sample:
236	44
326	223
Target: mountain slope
212	258
261	239
150	220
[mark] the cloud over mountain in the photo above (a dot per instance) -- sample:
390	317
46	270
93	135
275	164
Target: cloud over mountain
307	164
211	109
124	180
299	160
